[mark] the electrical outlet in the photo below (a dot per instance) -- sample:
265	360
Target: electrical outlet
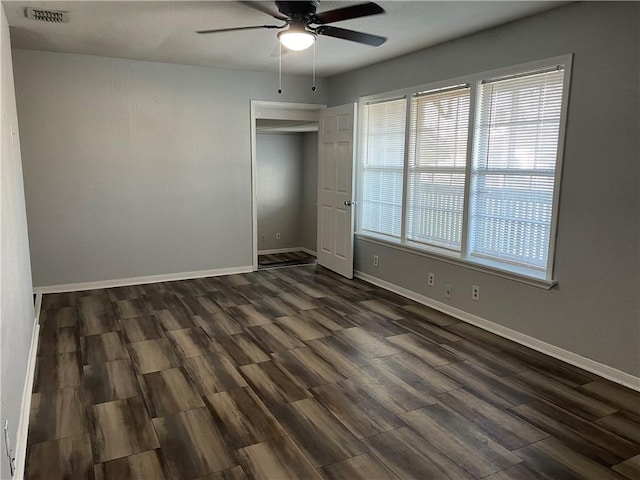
475	292
375	261
264	238
278	236
448	291
431	280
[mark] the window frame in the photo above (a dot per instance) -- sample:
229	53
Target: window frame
539	279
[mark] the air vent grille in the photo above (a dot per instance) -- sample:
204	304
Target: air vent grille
52	16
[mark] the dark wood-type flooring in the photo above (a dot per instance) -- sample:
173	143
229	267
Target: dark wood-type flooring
273	260
298	373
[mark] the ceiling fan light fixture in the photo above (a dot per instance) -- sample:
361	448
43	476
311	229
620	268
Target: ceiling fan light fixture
296	39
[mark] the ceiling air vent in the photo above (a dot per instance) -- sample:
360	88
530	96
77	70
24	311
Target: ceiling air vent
52	16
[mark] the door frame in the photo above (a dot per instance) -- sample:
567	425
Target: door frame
271	110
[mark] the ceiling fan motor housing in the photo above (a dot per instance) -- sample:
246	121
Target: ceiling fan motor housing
298	10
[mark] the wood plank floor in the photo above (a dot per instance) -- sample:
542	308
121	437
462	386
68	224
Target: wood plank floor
298	373
275	260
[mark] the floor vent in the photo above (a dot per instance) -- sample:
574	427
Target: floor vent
52	16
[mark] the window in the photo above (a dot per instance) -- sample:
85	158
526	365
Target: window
436	172
383	162
514	167
477	185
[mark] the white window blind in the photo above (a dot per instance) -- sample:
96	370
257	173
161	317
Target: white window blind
514	166
436	170
382	166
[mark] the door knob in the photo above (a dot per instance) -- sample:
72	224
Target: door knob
348	203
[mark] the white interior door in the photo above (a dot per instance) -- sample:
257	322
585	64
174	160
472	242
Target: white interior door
336	135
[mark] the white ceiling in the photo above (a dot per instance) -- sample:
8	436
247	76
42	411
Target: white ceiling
164	31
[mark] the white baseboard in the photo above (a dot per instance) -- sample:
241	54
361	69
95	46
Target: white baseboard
579	361
123	282
25	409
309	251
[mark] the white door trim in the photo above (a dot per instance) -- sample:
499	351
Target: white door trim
269	109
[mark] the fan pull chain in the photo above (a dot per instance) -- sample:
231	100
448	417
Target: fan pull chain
279	68
313	87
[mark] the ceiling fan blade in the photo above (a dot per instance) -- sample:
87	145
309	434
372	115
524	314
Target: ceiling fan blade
346	13
260	6
343	33
235	29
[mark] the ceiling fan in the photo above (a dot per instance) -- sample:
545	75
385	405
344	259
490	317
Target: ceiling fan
302	24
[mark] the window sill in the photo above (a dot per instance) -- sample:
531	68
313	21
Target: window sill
444	256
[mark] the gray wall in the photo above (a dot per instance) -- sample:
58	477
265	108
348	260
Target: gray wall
310	191
279	190
594	309
16	301
138	168
287	172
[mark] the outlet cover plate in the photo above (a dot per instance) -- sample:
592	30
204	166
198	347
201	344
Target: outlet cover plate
475	293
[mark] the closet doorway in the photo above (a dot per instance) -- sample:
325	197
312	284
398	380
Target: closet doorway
284	173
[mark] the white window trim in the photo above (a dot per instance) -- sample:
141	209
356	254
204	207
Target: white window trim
526	276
